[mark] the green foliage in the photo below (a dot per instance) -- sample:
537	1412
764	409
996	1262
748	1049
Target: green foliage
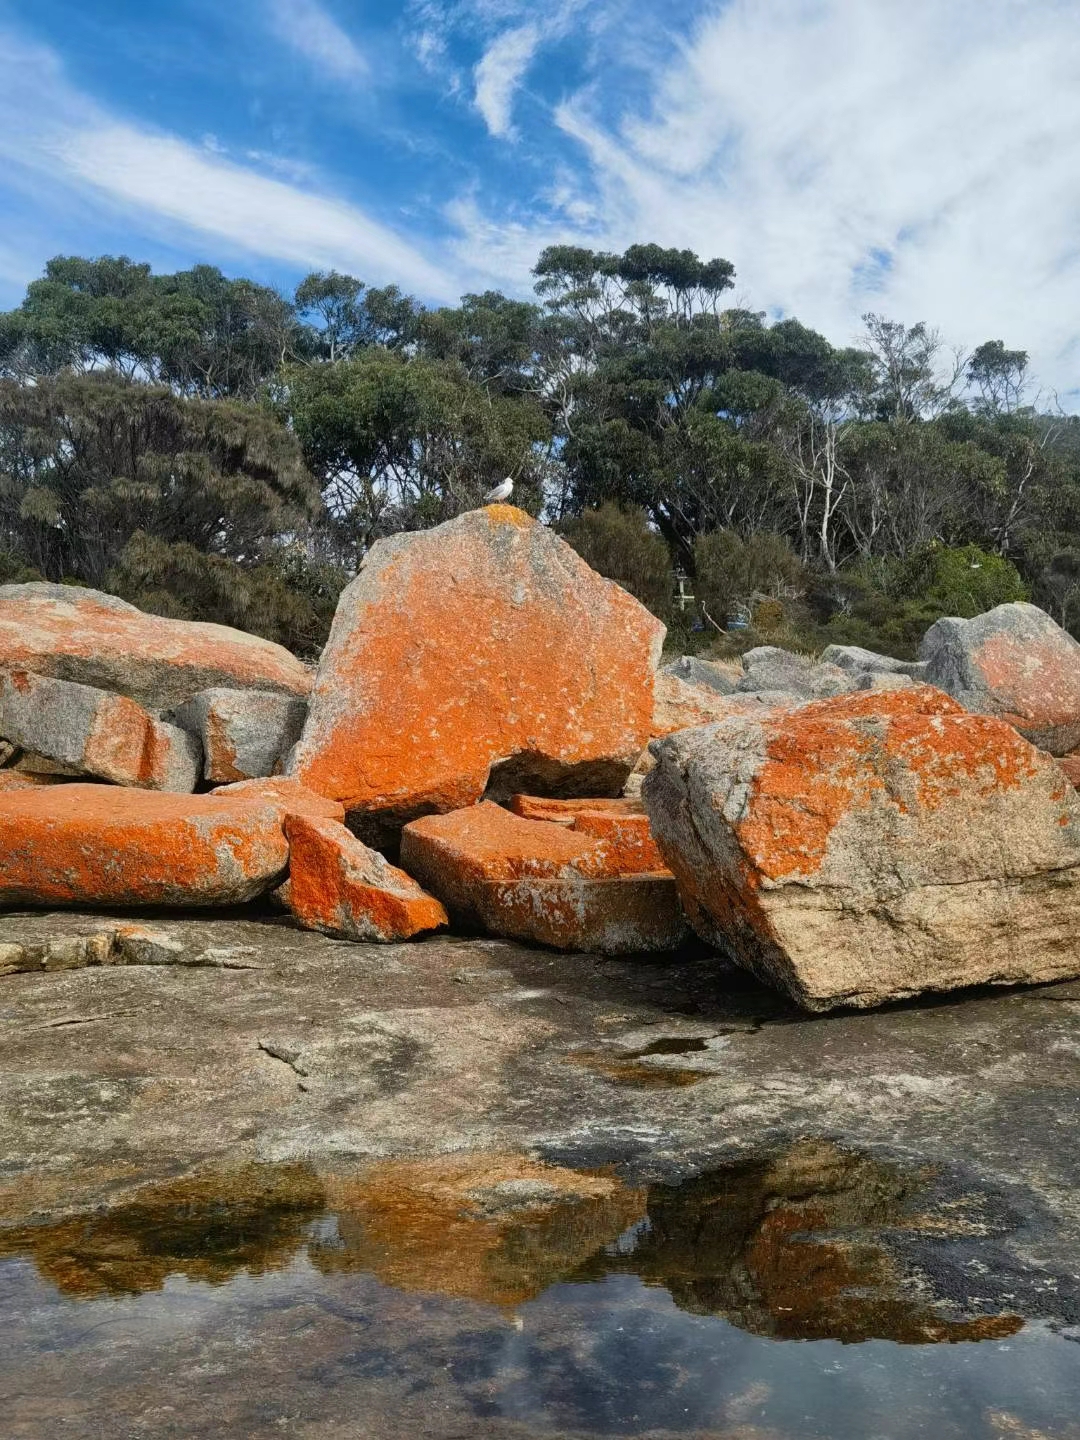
729	570
617	542
86	461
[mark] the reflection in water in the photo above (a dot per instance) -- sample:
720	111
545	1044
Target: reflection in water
780	1246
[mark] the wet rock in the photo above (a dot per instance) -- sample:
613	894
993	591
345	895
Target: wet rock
244	733
99	845
339	886
623	825
869	662
872	847
90	638
483	655
1013	662
533	880
92	732
701	673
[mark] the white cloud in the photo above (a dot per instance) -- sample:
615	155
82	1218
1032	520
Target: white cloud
308	28
55	140
499	74
909	156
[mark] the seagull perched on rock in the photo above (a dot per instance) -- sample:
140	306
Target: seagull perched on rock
500	493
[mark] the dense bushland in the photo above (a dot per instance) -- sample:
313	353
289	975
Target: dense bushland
209	448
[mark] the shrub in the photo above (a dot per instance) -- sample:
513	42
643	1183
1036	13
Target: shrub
617	542
729	570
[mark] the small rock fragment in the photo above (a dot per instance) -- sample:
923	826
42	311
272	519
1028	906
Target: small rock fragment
339	886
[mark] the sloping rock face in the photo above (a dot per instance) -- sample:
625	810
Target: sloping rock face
339	886
95	639
871	847
482	651
243	733
534	880
97	845
1013	662
286	796
679	705
96	733
703	673
770	669
869	662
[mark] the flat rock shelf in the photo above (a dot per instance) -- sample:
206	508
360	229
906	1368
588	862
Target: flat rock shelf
465	1187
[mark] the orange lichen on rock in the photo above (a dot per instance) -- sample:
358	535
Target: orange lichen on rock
1013	662
287	796
93	732
91	638
535	880
482	649
100	845
872	845
621	824
339	886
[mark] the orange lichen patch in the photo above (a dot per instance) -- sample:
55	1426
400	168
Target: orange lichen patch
912	748
467	647
129	746
103	845
622	825
220	753
1034	684
85	636
498	1228
288	796
339	886
678	705
508	515
535	880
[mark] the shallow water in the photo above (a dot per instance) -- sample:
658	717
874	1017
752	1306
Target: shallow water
493	1296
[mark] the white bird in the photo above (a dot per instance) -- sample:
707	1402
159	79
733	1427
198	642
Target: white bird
501	492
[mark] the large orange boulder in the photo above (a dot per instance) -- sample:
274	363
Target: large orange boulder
483	655
99	845
872	846
95	639
339	886
1016	663
538	880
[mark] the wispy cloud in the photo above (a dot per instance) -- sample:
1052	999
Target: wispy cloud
499	74
824	144
312	32
54	138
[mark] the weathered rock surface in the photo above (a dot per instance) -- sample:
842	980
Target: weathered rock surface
339	886
769	669
94	732
244	733
680	706
534	880
99	845
704	674
1071	765
863	662
94	639
871	847
883	680
484	653
623	825
286	796
1013	662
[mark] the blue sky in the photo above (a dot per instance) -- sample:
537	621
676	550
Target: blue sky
916	157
